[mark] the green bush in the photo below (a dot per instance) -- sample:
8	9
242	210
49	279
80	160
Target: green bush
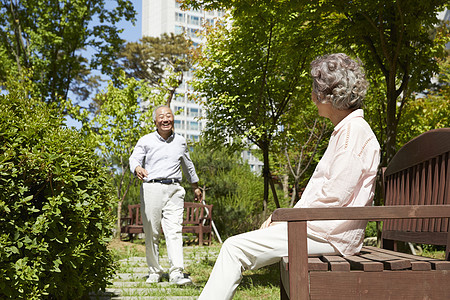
234	190
55	201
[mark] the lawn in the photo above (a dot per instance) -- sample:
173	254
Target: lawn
199	261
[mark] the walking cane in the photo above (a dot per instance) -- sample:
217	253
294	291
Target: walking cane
207	211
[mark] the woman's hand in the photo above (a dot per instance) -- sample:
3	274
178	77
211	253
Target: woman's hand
267	223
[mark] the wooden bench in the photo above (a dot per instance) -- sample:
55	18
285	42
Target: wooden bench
197	220
417	209
133	221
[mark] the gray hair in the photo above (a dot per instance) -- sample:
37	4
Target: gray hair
158	107
339	80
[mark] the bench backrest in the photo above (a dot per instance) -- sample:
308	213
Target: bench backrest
196	213
419	174
134	214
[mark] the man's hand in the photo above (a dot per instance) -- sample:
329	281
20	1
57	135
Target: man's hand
140	172
198	196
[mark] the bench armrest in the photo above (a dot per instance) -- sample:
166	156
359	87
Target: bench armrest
372	213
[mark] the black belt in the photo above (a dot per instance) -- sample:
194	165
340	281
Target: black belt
164	181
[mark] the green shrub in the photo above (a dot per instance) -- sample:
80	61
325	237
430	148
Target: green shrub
55	201
234	190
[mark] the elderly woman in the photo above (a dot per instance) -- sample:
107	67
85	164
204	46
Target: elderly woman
345	176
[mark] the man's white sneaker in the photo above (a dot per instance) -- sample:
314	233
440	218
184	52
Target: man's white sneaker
153	278
180	280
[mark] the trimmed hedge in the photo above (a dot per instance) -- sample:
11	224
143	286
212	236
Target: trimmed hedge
55	206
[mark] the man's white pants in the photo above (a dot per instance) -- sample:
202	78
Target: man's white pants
250	251
162	205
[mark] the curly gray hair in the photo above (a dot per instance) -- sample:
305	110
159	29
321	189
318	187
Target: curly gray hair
339	80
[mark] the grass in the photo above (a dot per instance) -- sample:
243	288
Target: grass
199	261
123	249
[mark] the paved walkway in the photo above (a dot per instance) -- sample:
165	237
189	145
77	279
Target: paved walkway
129	283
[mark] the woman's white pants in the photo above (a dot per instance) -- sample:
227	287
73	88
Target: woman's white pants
250	251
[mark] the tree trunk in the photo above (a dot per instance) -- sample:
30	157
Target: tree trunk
286	186
119	221
266	174
274	191
391	126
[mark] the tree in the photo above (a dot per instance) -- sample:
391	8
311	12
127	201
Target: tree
52	37
118	125
250	70
160	61
394	40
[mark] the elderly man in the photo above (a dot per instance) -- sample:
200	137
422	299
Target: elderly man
156	160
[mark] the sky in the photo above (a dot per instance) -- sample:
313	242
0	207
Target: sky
131	33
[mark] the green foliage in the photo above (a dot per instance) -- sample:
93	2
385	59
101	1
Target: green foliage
398	44
50	37
423	115
123	116
231	187
371	229
430	112
160	61
253	70
148	58
55	202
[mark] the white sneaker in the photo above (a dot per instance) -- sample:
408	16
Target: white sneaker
153	278
179	279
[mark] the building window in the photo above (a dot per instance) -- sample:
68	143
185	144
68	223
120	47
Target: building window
179	124
193	112
194	20
179	29
192	32
193	125
194	137
179	17
179	98
179	109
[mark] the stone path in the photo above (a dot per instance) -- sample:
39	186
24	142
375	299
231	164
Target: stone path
129	283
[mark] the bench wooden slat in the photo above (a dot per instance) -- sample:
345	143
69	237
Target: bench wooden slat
314	264
389	262
337	263
418	263
388	258
440	265
401	254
